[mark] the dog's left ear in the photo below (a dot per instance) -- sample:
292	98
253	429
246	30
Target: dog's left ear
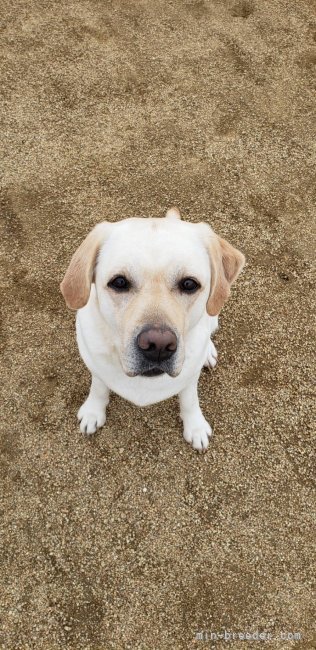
76	284
226	264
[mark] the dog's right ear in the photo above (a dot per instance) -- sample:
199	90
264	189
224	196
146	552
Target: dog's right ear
76	284
226	263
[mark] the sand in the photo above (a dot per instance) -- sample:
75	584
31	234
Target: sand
131	540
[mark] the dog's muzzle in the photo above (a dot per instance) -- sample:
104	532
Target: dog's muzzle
156	347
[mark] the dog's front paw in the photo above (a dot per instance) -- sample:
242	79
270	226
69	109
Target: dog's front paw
91	416
211	356
197	433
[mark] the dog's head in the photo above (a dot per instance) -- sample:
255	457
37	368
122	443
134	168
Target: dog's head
154	279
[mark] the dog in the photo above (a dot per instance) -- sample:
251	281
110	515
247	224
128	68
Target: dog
148	292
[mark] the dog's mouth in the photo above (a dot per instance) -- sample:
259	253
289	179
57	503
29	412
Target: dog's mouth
153	372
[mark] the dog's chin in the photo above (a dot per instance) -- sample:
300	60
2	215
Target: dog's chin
132	369
153	372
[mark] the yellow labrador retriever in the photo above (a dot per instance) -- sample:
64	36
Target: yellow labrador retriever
148	294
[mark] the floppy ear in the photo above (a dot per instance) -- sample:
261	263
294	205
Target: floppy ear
76	284
226	264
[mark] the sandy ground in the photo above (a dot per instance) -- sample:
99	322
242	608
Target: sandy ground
130	539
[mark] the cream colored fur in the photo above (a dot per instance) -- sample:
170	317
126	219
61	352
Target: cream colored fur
154	254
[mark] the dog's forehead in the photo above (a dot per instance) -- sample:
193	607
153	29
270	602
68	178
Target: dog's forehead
154	242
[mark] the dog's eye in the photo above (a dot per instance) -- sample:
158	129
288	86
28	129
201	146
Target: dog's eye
120	283
188	285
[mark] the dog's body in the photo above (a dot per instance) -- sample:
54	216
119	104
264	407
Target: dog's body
144	326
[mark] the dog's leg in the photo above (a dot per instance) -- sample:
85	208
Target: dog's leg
211	356
92	414
196	429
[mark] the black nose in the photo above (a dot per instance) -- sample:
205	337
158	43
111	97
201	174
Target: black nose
157	344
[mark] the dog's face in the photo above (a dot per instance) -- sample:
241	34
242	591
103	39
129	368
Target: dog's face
154	280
